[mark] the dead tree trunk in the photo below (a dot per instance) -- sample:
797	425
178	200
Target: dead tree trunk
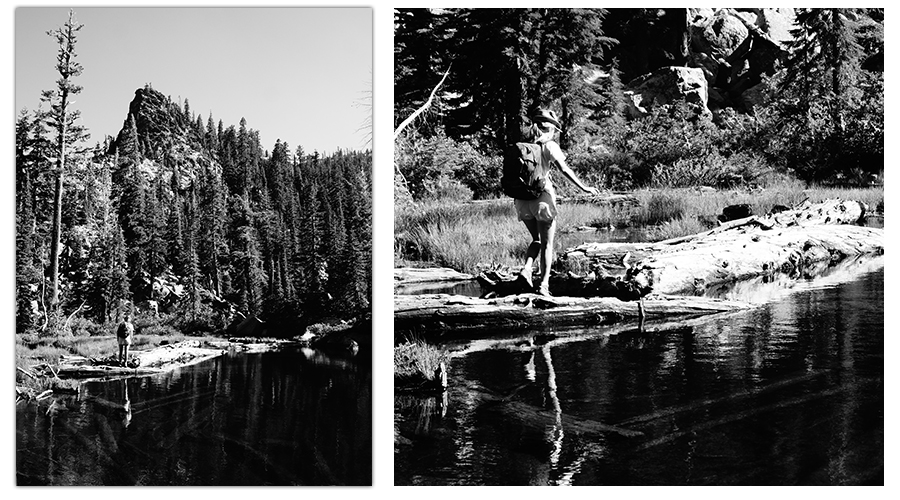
440	316
788	243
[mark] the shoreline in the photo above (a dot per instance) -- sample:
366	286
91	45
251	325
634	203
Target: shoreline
73	371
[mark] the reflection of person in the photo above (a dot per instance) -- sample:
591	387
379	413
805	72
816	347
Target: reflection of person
539	215
125	335
555	433
126	417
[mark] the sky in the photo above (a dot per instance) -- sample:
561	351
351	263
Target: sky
301	75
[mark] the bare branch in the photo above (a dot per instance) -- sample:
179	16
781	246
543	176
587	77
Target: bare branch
421	108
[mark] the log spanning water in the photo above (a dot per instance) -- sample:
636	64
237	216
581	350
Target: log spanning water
675	272
439	315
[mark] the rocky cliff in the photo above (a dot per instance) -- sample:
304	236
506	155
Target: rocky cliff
713	58
169	142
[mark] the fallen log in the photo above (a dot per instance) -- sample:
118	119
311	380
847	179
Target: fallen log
788	242
410	280
412	275
158	360
520	414
441	317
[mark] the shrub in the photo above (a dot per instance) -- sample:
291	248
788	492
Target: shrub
84	327
439	166
158	330
444	188
56	326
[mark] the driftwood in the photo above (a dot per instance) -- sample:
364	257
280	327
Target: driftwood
788	242
158	360
440	316
408	280
675	273
411	275
522	414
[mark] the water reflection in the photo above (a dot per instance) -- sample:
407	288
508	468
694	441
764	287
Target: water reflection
253	419
790	392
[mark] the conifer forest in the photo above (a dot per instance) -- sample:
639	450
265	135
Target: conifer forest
182	215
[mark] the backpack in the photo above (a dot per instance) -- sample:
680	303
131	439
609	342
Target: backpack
522	171
123	330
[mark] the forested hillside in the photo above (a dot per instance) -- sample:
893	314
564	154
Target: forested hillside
647	97
190	216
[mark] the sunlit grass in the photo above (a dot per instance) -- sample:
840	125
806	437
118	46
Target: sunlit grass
477	236
416	362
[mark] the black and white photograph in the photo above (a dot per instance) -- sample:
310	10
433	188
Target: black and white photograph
193	246
639	246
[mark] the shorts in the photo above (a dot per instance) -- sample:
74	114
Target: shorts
543	208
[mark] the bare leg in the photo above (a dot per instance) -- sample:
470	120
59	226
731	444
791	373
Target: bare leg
534	248
547	236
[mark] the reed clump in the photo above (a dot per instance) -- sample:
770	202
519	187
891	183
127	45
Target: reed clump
418	363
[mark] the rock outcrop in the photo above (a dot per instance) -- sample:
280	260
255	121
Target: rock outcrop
724	53
167	140
666	86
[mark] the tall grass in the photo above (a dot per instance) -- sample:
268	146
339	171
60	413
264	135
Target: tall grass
477	236
417	361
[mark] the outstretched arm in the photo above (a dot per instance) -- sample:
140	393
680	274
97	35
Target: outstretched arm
560	160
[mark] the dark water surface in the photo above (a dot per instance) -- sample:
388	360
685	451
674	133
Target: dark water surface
790	392
279	418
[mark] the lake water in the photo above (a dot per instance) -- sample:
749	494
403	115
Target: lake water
280	418
789	392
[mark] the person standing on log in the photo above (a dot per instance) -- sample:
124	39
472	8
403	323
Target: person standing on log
124	335
539	215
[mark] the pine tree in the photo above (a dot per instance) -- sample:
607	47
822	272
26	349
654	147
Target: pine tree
62	119
107	284
154	220
130	189
820	94
212	138
212	215
28	275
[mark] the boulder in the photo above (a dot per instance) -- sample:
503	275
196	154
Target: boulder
666	86
734	212
242	326
719	35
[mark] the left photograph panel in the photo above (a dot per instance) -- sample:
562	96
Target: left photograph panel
193	207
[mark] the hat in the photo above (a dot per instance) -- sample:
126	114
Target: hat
547	116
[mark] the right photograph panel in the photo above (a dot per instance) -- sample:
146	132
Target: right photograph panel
639	246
